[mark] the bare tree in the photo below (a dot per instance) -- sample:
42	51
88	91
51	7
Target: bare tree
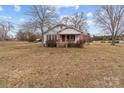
5	28
29	26
27	31
78	21
20	35
44	15
65	20
111	19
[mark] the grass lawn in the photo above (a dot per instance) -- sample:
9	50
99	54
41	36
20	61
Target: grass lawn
24	64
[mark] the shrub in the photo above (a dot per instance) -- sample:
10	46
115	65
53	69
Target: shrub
51	43
102	41
26	36
116	41
32	38
71	44
78	44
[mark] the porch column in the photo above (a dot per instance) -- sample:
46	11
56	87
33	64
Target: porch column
58	40
66	41
81	36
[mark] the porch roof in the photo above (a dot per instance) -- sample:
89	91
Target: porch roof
69	32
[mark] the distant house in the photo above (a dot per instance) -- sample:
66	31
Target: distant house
63	36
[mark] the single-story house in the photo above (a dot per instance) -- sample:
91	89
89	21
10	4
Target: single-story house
63	36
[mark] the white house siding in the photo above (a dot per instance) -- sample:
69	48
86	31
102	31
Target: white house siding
77	37
52	32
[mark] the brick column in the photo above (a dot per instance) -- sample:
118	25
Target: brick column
81	36
58	40
66	41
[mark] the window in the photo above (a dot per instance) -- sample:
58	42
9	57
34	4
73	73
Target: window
51	37
73	37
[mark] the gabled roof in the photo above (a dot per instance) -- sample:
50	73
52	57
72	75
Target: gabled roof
51	29
65	30
69	31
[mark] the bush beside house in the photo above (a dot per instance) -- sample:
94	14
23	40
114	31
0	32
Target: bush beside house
78	44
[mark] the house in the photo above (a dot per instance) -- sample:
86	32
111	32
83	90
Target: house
63	36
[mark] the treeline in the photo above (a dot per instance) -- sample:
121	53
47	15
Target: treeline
27	36
105	38
99	38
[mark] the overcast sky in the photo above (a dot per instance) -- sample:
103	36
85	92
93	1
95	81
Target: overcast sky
17	15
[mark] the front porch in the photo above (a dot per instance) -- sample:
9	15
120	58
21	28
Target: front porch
64	40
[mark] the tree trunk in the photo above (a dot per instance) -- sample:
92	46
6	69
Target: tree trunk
42	37
113	40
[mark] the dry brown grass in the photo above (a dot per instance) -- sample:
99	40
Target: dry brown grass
25	64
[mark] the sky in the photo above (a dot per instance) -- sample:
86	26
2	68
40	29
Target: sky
17	14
